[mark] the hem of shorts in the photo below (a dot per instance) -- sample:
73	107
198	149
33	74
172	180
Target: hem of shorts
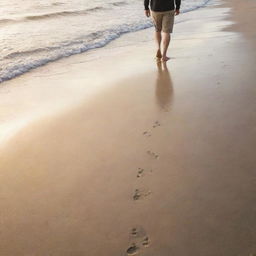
163	31
164	11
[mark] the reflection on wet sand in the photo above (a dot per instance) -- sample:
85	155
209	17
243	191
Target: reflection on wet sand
164	88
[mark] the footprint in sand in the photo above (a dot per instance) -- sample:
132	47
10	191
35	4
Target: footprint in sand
145	242
156	124
137	232
139	240
147	134
152	154
140	194
141	172
133	249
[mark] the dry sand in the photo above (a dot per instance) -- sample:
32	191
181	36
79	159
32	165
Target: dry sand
157	159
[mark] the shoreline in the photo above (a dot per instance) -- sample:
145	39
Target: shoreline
46	91
22	68
161	157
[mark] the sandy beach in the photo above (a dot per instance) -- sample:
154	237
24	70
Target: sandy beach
113	153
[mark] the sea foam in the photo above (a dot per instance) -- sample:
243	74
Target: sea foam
50	35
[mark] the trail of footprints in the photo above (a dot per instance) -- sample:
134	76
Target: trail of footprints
138	236
139	239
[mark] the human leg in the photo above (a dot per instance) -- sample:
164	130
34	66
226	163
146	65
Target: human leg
167	27
166	42
157	21
158	38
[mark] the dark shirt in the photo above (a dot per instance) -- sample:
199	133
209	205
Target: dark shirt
162	5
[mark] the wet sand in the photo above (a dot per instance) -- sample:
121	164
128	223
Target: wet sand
152	159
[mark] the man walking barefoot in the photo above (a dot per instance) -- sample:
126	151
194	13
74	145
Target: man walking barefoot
162	12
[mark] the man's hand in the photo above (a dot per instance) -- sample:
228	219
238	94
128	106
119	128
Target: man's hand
177	12
147	13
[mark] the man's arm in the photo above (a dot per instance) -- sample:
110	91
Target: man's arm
146	5
177	3
177	10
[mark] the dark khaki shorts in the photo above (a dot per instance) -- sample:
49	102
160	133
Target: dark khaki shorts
163	21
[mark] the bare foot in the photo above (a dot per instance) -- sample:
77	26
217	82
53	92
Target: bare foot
165	58
158	54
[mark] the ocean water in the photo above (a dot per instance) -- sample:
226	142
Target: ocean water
35	32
